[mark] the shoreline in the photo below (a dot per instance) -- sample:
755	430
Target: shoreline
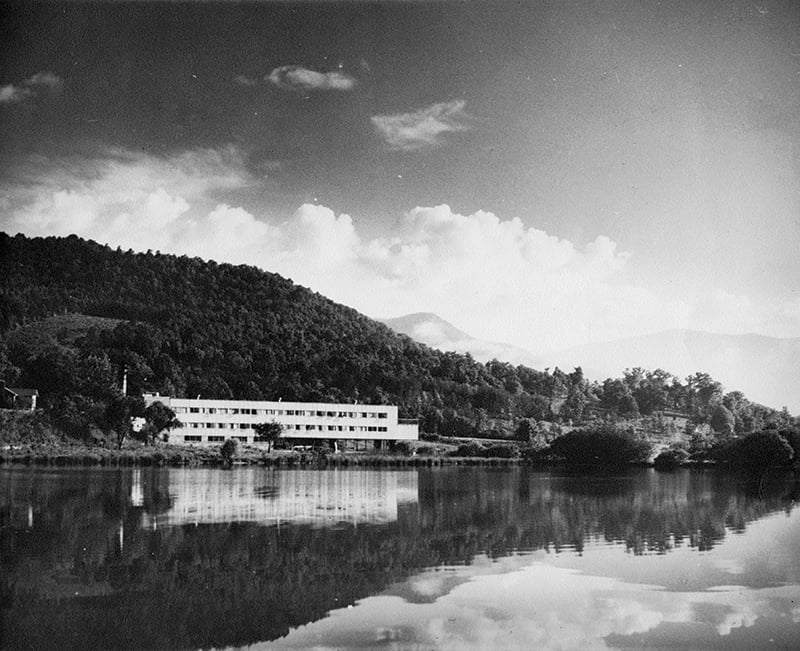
186	456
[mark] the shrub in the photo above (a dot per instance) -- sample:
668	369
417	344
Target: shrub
670	459
606	446
502	451
229	450
468	450
402	447
758	452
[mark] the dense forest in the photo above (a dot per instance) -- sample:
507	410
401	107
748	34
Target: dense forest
74	313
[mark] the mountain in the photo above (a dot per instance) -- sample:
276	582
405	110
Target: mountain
433	331
766	369
74	314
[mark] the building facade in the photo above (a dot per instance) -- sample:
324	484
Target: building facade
211	422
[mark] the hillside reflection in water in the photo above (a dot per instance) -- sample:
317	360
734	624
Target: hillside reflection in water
433	558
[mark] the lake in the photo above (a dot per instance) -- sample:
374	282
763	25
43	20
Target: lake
433	558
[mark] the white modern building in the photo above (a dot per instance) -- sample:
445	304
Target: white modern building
211	422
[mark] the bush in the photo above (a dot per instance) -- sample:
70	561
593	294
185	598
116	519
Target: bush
502	451
606	446
757	452
229	450
468	450
402	447
670	459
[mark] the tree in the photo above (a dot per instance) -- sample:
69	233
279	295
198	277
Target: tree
159	418
268	433
229	450
604	446
525	430
759	452
722	420
118	415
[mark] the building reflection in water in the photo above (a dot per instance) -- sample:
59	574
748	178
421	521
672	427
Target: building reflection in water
318	499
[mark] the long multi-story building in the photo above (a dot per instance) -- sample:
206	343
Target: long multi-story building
211	422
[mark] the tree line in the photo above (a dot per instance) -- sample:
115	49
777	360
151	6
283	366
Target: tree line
74	314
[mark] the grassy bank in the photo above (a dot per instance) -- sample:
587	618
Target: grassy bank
175	455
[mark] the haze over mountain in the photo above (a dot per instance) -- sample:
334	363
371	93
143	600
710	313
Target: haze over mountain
766	369
432	330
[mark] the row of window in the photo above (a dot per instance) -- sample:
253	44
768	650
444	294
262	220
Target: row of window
196	438
321	428
280	412
191	438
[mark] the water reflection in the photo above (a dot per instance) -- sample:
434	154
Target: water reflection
197	558
317	498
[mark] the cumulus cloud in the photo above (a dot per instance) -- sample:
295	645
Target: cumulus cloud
497	279
422	128
29	88
303	80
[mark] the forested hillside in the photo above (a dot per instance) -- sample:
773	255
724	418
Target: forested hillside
73	313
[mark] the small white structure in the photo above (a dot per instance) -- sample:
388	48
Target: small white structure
205	422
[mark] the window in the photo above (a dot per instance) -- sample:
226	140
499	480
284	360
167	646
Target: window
194	410
383	414
381	429
243	426
331	428
216	439
363	414
212	410
331	414
310	426
192	439
243	439
320	413
209	425
235	411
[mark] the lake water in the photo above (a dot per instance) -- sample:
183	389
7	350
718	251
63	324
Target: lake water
434	558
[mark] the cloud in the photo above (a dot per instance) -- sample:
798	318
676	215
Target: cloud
497	279
244	80
422	128
303	80
30	88
533	605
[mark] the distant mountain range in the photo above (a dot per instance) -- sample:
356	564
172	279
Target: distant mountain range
432	330
766	369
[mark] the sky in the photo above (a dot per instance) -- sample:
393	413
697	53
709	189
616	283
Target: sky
546	174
